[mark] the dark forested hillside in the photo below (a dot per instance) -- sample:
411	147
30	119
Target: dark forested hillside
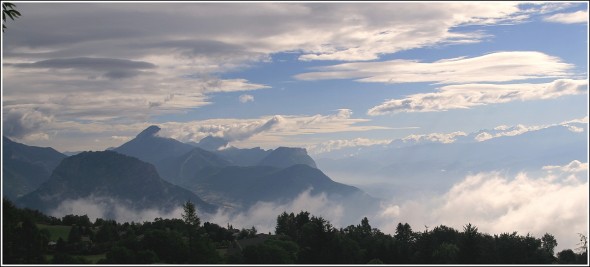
32	237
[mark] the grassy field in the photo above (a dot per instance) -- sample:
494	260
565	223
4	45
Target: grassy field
56	231
93	258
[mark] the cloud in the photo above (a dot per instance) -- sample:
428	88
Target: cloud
569	18
444	138
317	30
332	145
106	207
66	99
505	130
572	167
496	203
87	63
266	129
179	55
494	67
555	202
263	215
22	123
466	96
580	120
246	98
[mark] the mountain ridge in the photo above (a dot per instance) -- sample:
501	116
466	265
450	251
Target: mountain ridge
111	175
26	167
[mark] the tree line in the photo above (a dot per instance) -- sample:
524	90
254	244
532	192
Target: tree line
298	239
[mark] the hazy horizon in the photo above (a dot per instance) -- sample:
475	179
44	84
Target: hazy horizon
449	112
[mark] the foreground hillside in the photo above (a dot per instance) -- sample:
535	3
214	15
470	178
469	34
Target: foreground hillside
30	237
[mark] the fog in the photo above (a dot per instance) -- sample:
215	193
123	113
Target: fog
553	200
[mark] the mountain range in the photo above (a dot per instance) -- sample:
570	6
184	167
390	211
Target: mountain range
237	178
154	172
435	166
151	171
25	168
112	177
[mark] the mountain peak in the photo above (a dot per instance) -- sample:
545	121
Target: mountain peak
212	143
283	157
149	131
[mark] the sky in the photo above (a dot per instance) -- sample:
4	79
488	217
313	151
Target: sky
88	76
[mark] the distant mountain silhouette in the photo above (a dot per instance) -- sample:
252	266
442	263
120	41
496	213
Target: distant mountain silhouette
243	156
241	187
436	166
149	147
211	143
284	157
181	168
26	167
109	175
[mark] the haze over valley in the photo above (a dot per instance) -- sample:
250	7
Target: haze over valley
427	113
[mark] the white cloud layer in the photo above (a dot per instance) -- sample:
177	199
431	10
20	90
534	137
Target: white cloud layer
556	203
266	131
444	138
494	67
266	128
569	18
572	167
263	215
344	143
117	65
504	130
106	207
466	96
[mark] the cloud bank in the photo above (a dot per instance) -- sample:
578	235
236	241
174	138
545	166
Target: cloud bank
494	67
556	203
569	18
466	96
332	145
106	207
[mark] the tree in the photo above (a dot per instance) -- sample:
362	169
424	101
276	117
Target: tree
8	10
403	233
75	235
549	243
469	251
583	245
566	256
190	214
271	251
445	253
